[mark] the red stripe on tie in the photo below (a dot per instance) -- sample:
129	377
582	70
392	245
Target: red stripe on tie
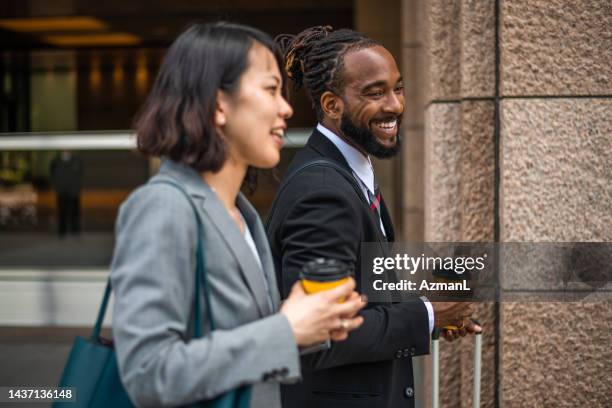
374	204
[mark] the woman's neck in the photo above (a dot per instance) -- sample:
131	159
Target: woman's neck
226	182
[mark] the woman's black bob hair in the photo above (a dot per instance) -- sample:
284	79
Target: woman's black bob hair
177	119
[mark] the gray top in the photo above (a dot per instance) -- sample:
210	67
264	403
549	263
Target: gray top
153	279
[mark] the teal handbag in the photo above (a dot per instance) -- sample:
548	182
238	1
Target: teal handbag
92	368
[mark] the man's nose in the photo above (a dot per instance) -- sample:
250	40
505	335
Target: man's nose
394	103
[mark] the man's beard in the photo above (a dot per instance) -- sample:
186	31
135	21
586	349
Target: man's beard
364	138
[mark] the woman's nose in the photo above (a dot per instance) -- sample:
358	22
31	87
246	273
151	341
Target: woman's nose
286	111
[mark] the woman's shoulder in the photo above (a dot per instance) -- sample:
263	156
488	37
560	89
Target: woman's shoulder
157	197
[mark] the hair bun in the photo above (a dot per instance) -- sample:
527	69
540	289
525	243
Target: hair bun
296	48
284	42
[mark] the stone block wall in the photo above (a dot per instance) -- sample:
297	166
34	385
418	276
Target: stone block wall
515	99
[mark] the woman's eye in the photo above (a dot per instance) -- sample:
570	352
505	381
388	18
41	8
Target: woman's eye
272	89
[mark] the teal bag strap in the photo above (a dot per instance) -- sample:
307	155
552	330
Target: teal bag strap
95	335
200	278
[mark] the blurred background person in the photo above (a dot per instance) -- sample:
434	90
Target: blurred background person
66	173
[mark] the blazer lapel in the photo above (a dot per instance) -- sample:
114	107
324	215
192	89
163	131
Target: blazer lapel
212	210
228	230
386	220
322	145
263	248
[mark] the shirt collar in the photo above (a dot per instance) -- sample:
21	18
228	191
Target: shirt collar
360	164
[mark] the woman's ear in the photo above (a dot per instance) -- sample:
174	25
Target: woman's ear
219	117
332	105
221	107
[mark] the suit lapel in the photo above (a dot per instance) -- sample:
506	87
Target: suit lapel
322	145
228	230
263	248
212	210
386	220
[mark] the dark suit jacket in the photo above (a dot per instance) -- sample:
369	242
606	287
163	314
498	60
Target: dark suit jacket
319	214
66	175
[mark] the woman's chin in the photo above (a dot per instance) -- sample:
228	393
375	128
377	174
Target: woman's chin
267	162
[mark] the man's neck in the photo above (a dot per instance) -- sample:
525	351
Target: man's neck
332	126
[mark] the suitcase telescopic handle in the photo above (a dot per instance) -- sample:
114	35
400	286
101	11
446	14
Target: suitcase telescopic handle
435	346
477	366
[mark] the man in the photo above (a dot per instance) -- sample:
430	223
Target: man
66	170
357	93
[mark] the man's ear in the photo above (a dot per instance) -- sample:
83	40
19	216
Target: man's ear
332	105
221	108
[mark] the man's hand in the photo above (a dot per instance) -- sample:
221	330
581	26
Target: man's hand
455	314
471	326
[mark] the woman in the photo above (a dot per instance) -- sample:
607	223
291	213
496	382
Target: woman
215	109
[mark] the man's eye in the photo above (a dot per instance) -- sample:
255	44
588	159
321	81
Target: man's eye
399	88
375	94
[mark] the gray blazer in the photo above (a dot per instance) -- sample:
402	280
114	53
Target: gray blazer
153	272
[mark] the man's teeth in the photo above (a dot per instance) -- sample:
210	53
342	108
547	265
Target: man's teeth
387	125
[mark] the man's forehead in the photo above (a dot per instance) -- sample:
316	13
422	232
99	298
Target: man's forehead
370	64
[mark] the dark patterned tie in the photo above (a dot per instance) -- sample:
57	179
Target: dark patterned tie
375	204
374	199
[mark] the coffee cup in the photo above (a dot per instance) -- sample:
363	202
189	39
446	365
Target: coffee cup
324	274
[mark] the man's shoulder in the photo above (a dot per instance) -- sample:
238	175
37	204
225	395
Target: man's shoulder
304	155
303	179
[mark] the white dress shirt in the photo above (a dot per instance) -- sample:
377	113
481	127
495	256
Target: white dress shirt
362	168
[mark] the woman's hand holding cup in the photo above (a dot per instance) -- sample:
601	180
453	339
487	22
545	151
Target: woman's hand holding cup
317	317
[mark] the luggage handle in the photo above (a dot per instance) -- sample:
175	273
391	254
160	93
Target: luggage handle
435	400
